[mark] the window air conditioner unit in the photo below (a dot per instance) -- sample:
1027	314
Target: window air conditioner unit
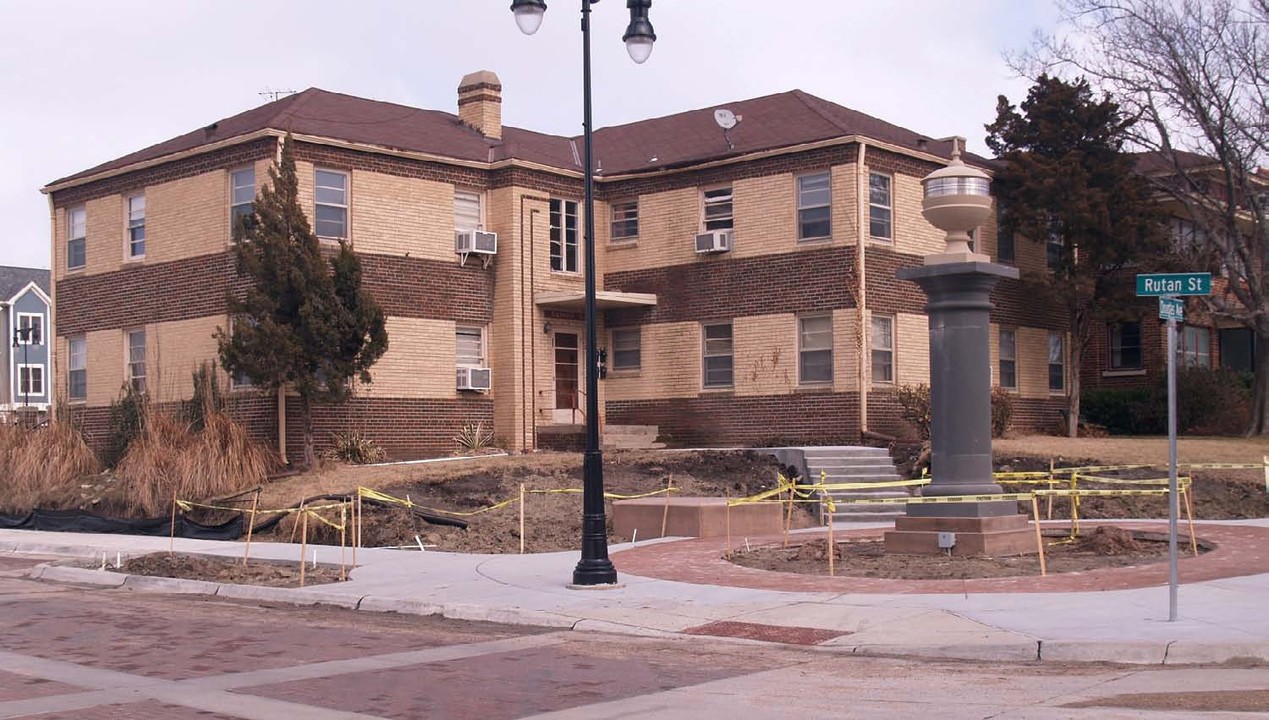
473	378
475	241
713	241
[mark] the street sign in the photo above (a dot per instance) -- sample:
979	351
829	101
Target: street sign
1174	284
1171	308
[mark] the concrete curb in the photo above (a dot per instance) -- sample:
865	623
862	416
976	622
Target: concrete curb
79	576
176	586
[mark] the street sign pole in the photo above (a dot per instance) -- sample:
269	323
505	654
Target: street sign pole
1173	496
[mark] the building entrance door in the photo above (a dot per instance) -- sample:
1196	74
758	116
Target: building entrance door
567	408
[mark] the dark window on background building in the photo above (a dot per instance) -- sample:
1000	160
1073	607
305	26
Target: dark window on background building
1125	346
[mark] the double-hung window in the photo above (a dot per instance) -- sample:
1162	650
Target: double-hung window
718	355
716	206
469	346
332	204
30	329
626	351
1196	347
625	220
76	232
881	340
1057	362
467	211
242	196
880	207
1008	359
30	381
1125	346
136	359
563	235
77	364
136	226
814	206
815	349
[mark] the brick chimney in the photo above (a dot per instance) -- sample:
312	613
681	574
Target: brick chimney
480	103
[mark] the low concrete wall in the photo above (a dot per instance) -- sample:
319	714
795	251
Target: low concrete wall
694	517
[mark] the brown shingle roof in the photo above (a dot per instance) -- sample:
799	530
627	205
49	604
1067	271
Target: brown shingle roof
769	123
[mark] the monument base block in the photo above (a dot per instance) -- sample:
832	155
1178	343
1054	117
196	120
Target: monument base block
694	517
992	536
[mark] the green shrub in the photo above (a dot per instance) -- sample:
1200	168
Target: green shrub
1211	401
1126	411
1001	411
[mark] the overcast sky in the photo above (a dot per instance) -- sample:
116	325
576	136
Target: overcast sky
85	81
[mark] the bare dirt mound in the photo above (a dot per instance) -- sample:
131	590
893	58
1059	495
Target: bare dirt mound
228	570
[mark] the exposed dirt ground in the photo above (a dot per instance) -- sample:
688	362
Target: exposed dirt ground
228	570
1104	547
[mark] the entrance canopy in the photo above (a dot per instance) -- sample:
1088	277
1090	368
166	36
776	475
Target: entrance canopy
604	300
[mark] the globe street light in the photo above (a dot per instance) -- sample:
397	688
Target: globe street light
594	568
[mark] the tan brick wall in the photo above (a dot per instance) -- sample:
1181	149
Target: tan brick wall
1033	363
766	354
846	351
187	217
396	216
173	351
669	364
667	223
105	366
913	234
419	362
912	349
103	244
765	216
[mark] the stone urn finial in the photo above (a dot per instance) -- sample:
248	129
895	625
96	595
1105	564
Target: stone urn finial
957	200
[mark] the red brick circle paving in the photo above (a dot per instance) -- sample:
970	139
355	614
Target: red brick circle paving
1240	550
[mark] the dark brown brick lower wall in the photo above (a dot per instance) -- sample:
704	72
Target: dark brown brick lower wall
406	428
819	418
1045	416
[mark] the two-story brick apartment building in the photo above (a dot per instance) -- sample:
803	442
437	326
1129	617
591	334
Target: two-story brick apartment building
746	277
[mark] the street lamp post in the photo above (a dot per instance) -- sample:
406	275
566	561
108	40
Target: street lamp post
24	333
594	568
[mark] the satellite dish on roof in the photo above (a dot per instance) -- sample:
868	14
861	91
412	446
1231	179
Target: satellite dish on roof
725	118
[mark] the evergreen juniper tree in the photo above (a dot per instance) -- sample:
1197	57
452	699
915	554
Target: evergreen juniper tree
1065	180
303	322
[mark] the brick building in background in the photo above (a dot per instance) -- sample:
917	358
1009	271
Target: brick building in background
746	276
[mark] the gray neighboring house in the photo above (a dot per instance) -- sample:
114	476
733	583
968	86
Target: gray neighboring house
24	301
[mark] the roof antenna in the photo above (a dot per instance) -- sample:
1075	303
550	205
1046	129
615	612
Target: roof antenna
727	120
274	95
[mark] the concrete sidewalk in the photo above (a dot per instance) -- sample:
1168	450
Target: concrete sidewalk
1219	620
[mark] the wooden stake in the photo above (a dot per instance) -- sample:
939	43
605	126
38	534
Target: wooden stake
303	542
171	547
727	500
521	518
831	546
1039	538
343	537
251	523
788	514
665	512
1049	501
1189	514
356	506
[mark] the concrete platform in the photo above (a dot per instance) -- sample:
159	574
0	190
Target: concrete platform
997	536
693	517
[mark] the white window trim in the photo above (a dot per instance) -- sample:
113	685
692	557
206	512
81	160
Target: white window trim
889	240
799	207
128	377
872	348
128	255
346	206
484	347
1065	363
612	352
71	237
22	338
17	381
612	221
1001	359
563	228
70	367
705	355
831	351
731	217
233	187
480	207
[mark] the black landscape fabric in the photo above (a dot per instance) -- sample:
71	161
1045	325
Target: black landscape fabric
81	521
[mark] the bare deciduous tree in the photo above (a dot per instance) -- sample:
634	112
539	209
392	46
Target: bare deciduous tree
1196	74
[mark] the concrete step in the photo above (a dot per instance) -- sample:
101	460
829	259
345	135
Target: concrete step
631	437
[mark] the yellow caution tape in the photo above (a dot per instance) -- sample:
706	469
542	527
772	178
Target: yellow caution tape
189	505
935	499
866	485
1102	493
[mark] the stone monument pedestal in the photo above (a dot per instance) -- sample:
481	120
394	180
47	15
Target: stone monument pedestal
994	536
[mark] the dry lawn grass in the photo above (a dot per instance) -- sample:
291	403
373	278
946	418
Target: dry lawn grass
1136	450
42	466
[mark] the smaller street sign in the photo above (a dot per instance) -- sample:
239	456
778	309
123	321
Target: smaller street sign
1197	283
1171	308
